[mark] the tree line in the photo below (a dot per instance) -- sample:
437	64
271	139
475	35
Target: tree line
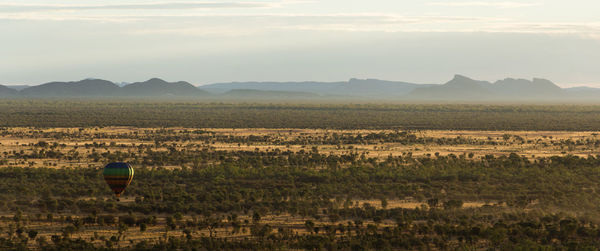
80	113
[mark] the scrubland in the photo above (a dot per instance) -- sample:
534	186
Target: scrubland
321	183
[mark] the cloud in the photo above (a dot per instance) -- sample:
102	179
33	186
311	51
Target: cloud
428	24
123	12
345	18
44	16
371	22
185	21
485	4
21	7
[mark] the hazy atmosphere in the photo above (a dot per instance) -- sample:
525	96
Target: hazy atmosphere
299	125
204	42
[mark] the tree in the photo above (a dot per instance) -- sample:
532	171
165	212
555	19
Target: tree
122	229
384	203
256	217
32	234
453	204
309	225
68	231
433	202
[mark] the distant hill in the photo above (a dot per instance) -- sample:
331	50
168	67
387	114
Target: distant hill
357	88
466	89
83	88
375	88
584	92
312	87
259	94
523	88
459	88
101	88
7	92
159	87
18	87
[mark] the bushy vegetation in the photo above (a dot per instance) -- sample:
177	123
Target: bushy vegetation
78	113
297	183
313	185
207	189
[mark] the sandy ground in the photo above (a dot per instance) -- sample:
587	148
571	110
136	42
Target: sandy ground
533	144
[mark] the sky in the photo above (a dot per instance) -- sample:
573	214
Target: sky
426	41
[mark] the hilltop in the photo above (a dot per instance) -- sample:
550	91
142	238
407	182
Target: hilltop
459	88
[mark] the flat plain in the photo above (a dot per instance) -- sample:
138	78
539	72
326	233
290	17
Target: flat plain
299	187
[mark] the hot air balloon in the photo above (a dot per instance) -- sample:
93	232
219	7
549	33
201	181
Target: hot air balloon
118	175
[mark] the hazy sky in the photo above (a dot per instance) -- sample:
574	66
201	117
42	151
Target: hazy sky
424	41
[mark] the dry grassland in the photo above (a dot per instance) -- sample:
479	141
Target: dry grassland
529	143
112	139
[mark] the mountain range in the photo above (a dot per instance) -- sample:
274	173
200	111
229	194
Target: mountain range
460	88
101	88
464	88
365	88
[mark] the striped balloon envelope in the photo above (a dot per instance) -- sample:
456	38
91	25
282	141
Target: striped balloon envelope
118	175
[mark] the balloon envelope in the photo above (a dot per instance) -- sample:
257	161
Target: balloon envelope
118	175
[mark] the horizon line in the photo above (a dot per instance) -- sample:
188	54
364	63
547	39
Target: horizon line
561	85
